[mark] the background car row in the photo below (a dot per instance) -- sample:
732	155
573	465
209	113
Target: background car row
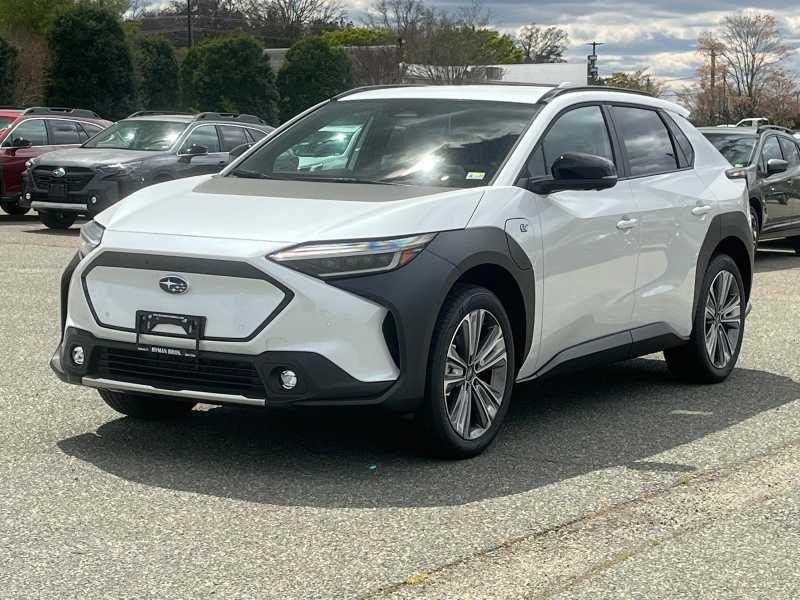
65	163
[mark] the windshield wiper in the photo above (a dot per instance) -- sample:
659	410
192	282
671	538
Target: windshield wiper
245	174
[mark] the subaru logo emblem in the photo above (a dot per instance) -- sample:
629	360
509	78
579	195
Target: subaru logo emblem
172	284
59	172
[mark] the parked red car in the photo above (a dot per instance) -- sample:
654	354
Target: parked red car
29	132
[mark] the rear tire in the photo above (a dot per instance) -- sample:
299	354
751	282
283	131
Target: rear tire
57	219
470	374
152	408
718	327
14	209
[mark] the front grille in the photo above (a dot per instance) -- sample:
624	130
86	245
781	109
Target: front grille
236	377
76	178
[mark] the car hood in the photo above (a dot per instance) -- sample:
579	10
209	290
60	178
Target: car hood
289	211
90	157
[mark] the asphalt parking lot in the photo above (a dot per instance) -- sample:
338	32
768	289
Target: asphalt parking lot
617	483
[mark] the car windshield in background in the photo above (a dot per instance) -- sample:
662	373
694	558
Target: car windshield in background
138	135
736	148
6	121
444	143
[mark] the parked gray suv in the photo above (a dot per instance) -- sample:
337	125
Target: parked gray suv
146	148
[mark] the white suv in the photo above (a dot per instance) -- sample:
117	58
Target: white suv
474	237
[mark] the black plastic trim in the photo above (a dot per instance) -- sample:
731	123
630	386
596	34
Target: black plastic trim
320	381
415	294
66	278
205	266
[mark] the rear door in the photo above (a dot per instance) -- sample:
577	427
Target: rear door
791	154
675	215
777	189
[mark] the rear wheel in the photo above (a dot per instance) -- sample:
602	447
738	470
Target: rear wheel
57	219
470	374
12	208
718	327
145	406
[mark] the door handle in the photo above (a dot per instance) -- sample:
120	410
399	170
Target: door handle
626	223
699	211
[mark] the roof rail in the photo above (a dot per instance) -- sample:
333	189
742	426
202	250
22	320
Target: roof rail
153	113
235	117
561	90
369	88
11	107
61	110
774	127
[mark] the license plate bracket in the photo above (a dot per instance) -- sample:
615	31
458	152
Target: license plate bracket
193	327
57	191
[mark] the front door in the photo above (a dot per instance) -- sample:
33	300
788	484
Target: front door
213	162
590	244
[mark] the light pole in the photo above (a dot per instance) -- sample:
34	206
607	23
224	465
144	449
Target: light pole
592	73
189	21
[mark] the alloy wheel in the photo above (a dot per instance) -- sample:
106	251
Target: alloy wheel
723	319
475	376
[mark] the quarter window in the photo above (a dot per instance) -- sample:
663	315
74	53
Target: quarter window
32	130
205	135
579	130
63	132
790	152
256	134
647	142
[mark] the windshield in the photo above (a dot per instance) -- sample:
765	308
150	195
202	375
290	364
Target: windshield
6	121
138	135
737	149
445	143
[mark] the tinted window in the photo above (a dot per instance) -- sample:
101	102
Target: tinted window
682	143
445	143
646	139
6	121
737	149
790	152
579	130
771	150
232	137
256	134
138	135
32	130
205	135
63	132
91	130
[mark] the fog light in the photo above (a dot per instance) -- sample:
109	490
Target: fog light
288	379
93	200
78	356
28	196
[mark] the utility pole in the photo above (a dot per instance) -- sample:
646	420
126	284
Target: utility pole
592	72
189	21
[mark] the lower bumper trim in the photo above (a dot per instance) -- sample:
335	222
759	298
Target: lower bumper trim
137	388
37	205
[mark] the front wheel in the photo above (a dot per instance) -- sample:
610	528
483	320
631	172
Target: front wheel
57	219
718	327
153	408
14	209
470	374
795	242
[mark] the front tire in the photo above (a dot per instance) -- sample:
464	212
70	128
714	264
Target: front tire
470	374
151	408
13	209
795	242
56	219
755	225
718	327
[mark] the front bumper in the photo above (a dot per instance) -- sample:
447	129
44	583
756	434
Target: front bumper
89	195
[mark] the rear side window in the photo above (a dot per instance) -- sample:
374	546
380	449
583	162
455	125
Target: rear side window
63	132
790	152
682	144
579	130
647	142
32	130
90	130
232	137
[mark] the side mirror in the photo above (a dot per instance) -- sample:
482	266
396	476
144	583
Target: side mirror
577	171
239	150
776	165
198	150
20	143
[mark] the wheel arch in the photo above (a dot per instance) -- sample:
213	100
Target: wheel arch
758	205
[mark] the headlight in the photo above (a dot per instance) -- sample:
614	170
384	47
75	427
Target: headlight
360	257
30	163
91	235
120	169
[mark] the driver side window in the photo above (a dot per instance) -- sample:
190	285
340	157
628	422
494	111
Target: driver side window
771	150
579	130
205	135
32	130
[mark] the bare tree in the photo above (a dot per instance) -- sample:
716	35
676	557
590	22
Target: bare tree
753	52
33	60
542	44
404	17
